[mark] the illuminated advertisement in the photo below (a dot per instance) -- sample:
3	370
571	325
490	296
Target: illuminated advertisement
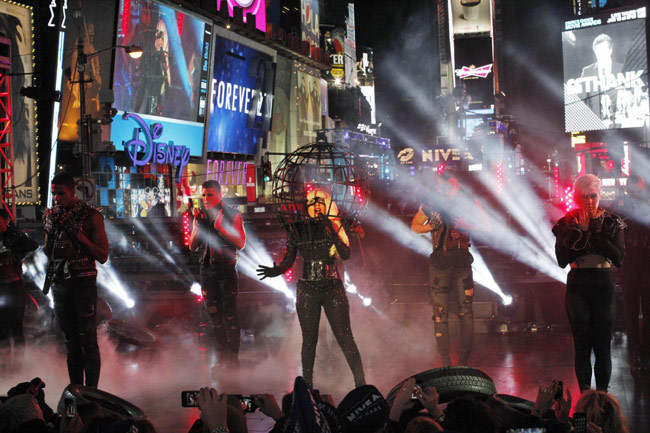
168	84
279	137
241	104
309	107
350	47
16	25
309	27
605	71
470	16
474	76
257	8
96	32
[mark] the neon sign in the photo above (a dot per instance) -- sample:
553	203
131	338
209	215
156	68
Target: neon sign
154	152
227	172
253	7
473	71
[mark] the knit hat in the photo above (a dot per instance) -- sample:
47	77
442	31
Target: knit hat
363	410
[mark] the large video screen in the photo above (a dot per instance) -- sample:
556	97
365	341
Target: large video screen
605	71
169	83
241	104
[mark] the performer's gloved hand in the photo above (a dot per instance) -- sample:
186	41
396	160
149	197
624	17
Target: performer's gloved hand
268	271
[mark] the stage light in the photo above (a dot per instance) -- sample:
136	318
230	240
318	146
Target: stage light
367	302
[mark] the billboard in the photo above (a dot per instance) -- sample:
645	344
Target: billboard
605	71
16	25
241	101
249	7
470	16
97	33
309	27
309	107
473	62
169	83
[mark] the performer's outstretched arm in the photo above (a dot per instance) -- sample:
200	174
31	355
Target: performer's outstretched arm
285	264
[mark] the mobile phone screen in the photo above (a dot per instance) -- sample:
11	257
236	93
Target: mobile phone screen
70	407
190	398
580	422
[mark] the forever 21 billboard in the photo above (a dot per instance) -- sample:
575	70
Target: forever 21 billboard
241	103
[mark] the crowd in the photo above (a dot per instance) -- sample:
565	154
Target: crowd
412	408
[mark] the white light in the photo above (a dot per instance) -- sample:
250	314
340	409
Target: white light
506	299
367	302
475	167
130	303
337	81
196	289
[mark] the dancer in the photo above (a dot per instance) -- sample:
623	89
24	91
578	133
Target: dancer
450	267
13	247
591	240
219	232
74	239
320	239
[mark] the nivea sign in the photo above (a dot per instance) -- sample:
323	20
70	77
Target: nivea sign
146	146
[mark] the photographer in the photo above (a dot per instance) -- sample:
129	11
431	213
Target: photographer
218	232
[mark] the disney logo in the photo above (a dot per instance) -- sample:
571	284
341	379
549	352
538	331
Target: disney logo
146	150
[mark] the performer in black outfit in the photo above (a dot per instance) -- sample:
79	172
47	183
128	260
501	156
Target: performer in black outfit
591	239
74	239
320	239
219	233
13	247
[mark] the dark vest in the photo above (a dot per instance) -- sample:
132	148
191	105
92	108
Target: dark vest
216	248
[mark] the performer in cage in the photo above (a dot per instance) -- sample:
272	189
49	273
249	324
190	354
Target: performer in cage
320	239
74	239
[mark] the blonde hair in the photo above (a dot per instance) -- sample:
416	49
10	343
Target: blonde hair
583	183
603	410
332	212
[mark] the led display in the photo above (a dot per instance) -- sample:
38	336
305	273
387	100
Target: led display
168	84
605	71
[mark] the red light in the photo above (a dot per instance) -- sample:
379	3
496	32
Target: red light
309	187
186	229
441	169
199	299
288	276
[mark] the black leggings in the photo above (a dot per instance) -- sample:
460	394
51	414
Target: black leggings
12	313
329	294
591	307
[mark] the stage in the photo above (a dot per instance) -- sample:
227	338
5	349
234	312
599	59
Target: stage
391	348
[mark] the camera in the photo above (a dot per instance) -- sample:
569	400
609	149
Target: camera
416	388
190	398
527	430
70	407
580	422
247	403
560	391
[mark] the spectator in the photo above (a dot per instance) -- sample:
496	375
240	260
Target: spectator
603	412
468	415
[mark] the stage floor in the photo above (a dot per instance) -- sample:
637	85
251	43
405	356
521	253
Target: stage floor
518	364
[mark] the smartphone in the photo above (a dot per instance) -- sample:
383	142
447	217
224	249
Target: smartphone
70	407
580	422
560	391
190	398
527	430
416	388
248	405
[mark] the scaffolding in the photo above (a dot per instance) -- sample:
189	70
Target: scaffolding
7	190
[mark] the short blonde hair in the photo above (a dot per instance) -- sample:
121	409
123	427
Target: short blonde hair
583	183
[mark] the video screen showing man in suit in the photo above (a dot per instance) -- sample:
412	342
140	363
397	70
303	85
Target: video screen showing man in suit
605	70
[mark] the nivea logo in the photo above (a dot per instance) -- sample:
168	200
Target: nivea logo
142	149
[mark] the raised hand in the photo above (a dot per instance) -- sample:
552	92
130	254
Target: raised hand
268	271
